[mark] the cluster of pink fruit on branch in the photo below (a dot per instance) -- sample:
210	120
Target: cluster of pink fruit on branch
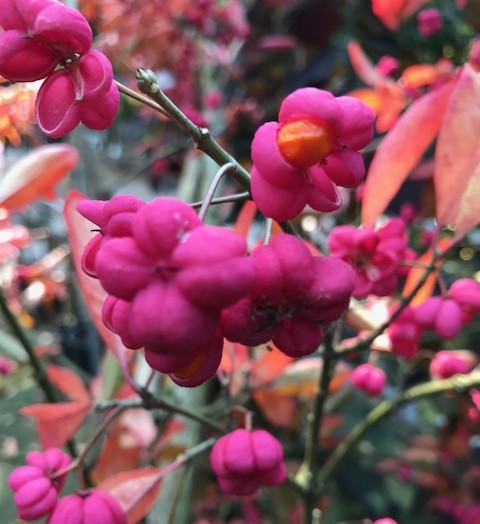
443	315
46	39
37	485
176	287
376	255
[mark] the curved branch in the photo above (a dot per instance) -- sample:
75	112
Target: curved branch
458	383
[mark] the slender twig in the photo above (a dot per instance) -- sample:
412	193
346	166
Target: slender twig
213	187
40	374
238	197
148	401
307	474
140	98
188	455
78	462
459	383
203	139
39	371
268	231
403	303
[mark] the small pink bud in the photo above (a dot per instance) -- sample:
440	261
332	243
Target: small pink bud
446	364
387	65
212	99
94	507
385	521
369	379
429	22
408	213
7	366
245	460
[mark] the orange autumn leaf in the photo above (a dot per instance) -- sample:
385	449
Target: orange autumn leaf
416	274
386	99
457	157
121	450
36	175
392	100
136	491
301	378
388	12
245	218
420	75
279	409
68	382
57	423
393	12
398	154
369	97
270	366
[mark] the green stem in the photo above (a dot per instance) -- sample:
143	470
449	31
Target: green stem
238	197
203	140
148	401
39	371
458	383
308	472
40	374
140	98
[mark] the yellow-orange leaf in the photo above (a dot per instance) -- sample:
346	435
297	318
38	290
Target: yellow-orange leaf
36	175
369	97
401	149
420	75
416	274
457	157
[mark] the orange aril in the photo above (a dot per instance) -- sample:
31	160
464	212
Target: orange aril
304	143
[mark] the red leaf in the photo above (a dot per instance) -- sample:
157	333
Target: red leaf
393	12
457	158
362	65
135	491
116	458
388	11
79	233
57	423
35	175
68	383
401	149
